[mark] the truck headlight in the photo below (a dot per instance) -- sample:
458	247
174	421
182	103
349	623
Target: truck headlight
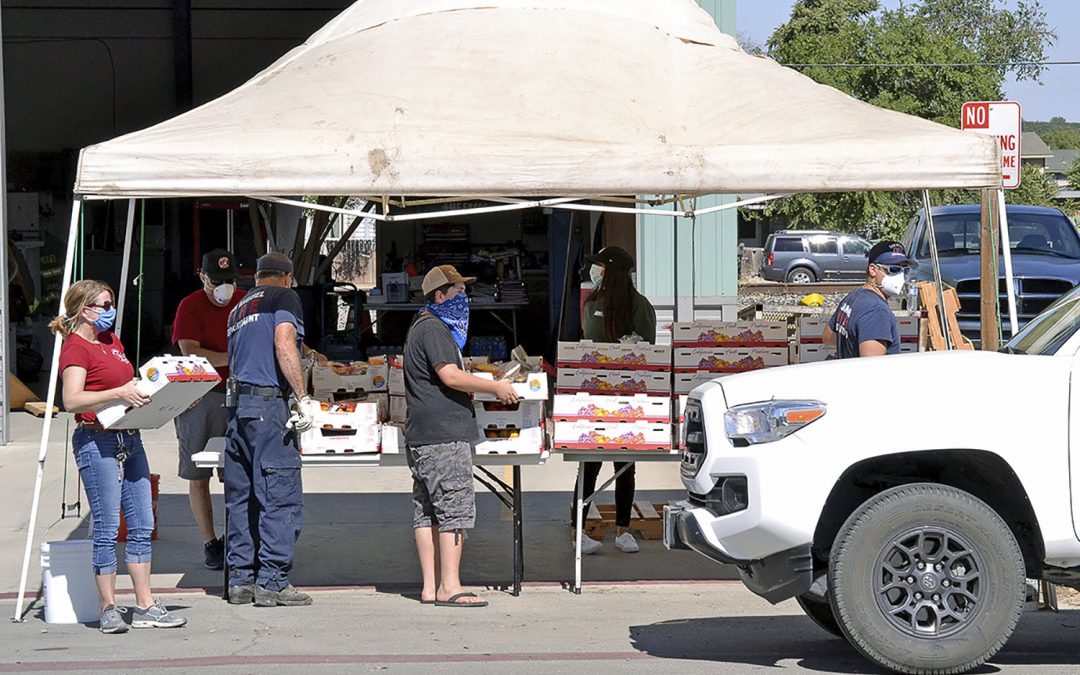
770	421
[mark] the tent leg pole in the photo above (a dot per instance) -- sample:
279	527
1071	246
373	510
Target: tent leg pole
43	448
943	316
125	268
1006	254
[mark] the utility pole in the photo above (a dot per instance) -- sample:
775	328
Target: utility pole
988	276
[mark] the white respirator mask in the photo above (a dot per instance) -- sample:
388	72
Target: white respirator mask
892	285
223	293
596	274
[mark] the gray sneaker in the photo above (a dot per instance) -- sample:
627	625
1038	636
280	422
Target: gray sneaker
155	616
286	597
241	594
111	621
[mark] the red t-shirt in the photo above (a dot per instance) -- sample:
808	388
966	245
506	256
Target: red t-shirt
106	365
199	319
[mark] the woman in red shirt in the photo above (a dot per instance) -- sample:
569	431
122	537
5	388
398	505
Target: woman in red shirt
112	464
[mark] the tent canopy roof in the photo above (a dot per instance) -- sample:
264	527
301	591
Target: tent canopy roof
528	98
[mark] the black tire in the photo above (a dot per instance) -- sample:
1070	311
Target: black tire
820	612
801	275
951	614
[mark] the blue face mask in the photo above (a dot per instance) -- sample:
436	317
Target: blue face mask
455	314
104	320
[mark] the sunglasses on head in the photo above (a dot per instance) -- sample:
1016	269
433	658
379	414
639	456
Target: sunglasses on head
106	306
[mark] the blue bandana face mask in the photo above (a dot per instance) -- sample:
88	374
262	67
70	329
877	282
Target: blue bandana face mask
455	314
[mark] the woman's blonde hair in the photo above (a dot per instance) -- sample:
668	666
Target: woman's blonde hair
81	294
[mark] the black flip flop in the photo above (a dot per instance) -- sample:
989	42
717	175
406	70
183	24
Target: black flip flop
452	601
427	602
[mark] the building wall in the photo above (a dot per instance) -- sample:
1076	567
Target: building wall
689	267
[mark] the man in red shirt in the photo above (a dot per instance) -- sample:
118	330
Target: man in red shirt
199	329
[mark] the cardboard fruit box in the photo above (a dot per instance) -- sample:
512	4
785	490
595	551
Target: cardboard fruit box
346	414
398	409
331	440
596	408
528	441
173	383
529	387
371	375
729	334
495	415
614	356
729	359
393	439
687	382
612	436
616	382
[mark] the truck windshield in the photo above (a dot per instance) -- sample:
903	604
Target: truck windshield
1046	333
1029	233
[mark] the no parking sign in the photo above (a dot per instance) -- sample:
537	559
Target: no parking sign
1000	119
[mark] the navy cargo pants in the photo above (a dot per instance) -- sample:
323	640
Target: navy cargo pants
263	493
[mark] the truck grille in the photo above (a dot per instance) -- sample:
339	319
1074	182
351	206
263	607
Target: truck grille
694	450
1033	295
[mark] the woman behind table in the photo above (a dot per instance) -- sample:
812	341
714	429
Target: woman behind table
613	312
112	464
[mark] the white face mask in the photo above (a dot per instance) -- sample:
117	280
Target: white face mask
892	285
596	274
223	293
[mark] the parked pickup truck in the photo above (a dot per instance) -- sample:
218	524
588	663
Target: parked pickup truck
902	517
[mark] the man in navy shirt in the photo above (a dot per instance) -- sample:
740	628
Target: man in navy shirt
263	493
863	324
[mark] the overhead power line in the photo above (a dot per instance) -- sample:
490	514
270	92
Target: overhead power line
994	64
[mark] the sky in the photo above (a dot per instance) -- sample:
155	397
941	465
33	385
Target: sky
1057	96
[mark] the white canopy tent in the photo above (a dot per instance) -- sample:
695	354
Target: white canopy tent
522	103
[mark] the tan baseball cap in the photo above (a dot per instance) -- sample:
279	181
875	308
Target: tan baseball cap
442	275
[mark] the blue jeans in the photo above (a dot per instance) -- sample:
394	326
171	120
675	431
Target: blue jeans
110	485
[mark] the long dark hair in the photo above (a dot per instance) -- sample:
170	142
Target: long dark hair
615	296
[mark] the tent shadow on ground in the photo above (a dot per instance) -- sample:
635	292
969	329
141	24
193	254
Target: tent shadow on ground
1042	638
366	539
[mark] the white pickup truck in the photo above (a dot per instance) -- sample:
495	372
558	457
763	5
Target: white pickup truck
902	500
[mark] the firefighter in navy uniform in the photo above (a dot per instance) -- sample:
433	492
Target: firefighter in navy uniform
263	491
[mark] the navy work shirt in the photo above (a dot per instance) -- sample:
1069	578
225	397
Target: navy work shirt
252	359
864	315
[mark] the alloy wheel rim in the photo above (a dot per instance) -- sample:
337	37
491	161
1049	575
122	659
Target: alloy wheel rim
929	582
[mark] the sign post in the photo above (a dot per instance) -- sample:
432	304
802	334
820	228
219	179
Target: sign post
1001	119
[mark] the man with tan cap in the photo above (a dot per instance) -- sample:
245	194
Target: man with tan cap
440	431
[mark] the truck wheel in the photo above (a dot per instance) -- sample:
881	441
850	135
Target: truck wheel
925	578
801	275
820	613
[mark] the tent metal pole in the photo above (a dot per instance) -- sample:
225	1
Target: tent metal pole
936	263
43	448
1006	254
125	267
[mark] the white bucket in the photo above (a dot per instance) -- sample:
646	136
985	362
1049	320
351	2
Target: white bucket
67	573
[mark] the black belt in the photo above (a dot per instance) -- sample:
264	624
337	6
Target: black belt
252	390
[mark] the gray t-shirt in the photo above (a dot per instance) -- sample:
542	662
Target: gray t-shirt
436	413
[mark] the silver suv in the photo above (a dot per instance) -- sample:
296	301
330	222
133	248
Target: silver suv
806	256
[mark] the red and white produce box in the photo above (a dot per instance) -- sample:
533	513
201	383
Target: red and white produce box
616	382
729	334
173	383
331	440
597	408
393	439
687	382
612	436
729	359
614	356
528	441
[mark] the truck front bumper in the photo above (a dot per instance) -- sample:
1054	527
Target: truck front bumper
776	577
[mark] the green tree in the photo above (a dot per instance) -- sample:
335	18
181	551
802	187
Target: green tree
980	32
1073	175
1036	188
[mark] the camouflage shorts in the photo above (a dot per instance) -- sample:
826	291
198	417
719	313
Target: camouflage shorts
442	486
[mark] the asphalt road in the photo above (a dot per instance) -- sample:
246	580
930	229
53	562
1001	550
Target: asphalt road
656	628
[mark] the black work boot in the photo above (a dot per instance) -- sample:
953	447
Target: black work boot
286	597
214	554
242	594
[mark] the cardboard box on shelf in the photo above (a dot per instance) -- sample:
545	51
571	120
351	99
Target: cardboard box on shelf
396	381
495	415
332	440
398	410
811	327
687	382
173	383
616	382
729	359
369	375
528	441
612	436
729	334
346	414
614	356
529	387
393	439
814	352
597	408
